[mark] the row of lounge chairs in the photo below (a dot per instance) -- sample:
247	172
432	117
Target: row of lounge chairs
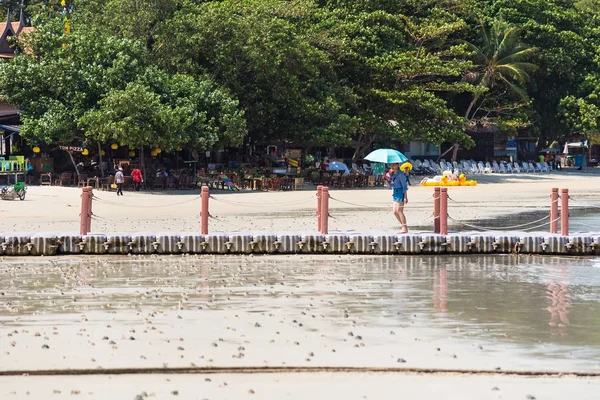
428	167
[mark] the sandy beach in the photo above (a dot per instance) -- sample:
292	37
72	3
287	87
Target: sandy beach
56	209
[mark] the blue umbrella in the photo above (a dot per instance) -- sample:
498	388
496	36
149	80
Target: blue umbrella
386	156
337	166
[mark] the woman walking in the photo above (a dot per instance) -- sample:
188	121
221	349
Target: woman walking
136	176
119	178
399	187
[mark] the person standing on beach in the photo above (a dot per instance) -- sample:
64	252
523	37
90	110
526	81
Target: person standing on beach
399	187
136	177
119	179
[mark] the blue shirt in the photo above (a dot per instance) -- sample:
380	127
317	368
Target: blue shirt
398	180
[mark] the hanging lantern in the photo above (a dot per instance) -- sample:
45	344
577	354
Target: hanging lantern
114	146
153	153
36	149
157	150
179	149
103	153
85	152
132	153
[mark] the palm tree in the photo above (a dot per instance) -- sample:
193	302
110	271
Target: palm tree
501	61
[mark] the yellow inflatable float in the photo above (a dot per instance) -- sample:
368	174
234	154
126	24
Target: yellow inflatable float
447	179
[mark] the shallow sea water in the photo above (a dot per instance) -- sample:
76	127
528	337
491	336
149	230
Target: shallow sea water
477	312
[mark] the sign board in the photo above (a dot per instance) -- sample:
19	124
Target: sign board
511	144
71	148
293	153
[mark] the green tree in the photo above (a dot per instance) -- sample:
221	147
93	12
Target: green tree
66	82
402	64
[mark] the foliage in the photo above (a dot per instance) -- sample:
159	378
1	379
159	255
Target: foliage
202	73
92	86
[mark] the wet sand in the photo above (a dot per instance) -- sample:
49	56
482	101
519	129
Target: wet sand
299	386
461	313
56	209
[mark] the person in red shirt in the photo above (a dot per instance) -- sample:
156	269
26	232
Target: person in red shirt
136	177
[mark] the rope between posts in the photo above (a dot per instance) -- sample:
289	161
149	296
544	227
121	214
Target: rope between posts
262	205
498	227
101	200
583	204
583	224
488	206
220	219
371	207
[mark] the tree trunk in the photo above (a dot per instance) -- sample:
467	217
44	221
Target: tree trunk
144	180
359	152
74	164
101	162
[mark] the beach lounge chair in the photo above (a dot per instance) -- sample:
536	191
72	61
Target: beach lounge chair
545	167
495	167
532	168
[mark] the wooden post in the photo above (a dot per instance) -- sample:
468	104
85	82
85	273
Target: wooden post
564	212
319	216
436	210
85	216
325	210
444	211
204	195
554	210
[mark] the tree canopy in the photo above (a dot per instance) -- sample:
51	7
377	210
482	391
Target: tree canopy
206	74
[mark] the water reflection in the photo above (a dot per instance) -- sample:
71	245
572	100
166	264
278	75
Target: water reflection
518	299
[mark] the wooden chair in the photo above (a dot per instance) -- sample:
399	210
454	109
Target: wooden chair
298	182
107	182
46	179
82	181
64	178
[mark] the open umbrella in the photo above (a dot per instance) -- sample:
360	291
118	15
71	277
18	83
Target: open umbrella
549	150
337	166
386	156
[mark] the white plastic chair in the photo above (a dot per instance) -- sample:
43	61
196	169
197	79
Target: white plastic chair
525	167
532	168
495	167
545	167
481	167
517	169
502	168
509	169
488	167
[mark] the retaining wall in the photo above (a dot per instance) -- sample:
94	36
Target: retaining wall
245	243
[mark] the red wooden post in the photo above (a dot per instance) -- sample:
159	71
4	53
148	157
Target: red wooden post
554	211
444	211
564	212
89	221
325	210
204	195
85	215
319	217
436	210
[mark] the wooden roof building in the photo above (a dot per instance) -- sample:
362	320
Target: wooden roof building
11	29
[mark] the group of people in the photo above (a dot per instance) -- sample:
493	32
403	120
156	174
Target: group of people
554	161
136	177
